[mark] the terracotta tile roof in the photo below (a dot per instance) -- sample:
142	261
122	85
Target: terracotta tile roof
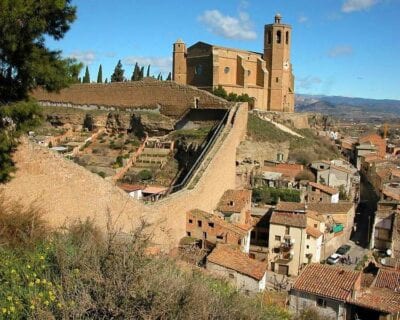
234	200
286	169
321	208
327	281
331	208
315	233
377	141
234	259
391	194
290	206
383	173
298	220
131	187
324	188
315	216
389	279
380	299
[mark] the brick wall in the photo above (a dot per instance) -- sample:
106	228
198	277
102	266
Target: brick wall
171	98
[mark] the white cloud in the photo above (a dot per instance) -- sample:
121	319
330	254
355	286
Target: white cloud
302	19
240	28
86	57
342	50
161	64
357	5
307	82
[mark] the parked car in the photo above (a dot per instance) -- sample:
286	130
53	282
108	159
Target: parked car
343	249
333	258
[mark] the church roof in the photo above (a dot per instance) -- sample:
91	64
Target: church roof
205	44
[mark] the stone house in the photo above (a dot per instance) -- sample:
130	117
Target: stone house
295	239
332	175
211	229
235	206
337	218
370	144
324	288
316	192
280	175
342	294
248	275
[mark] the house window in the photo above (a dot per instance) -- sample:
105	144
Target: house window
220	237
190	221
278	238
248	72
231	203
321	303
276	79
315	225
287	230
307	246
204	235
199	223
227	69
189	234
211	224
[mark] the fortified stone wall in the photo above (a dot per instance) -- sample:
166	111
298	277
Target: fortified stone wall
67	192
170	98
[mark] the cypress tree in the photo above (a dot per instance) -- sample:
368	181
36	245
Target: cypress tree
100	75
86	77
106	81
141	73
169	78
136	73
118	75
148	71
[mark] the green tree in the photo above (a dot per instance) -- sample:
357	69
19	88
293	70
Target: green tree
159	77
148	71
106	81
136	73
169	78
118	75
141	74
220	92
25	61
100	75
86	77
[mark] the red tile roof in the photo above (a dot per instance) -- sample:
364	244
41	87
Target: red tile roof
298	220
380	299
234	200
131	187
290	206
377	141
331	208
388	279
324	188
287	169
315	233
326	281
234	259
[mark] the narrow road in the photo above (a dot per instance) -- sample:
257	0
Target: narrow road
365	212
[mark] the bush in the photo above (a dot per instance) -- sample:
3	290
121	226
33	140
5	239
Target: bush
102	174
271	195
145	175
119	161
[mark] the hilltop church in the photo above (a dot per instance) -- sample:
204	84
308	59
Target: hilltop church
267	76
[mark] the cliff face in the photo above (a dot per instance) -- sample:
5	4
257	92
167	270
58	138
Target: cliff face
115	121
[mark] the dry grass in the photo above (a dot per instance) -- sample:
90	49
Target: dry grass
19	225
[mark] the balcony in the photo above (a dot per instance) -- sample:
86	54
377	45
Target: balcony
284	257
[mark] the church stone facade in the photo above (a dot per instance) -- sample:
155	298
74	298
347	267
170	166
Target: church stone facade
267	77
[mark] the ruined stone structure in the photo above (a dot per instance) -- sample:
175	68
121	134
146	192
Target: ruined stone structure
267	76
170	98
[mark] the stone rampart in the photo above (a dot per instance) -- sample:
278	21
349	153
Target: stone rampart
170	98
67	191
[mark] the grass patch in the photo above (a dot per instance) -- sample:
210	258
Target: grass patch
195	134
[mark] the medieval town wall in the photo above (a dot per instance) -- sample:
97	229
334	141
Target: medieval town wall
170	98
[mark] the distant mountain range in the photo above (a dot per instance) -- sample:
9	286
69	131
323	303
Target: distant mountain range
347	107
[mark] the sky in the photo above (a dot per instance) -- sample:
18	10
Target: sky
339	47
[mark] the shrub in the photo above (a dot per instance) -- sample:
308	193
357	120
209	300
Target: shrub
145	175
271	195
119	161
102	174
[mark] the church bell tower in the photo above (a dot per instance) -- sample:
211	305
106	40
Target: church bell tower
277	41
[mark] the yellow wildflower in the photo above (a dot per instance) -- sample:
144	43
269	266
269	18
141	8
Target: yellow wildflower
46	303
28	266
9	298
4	310
44	281
59	305
41	294
31	284
13	271
52	298
12	308
37	281
32	307
41	257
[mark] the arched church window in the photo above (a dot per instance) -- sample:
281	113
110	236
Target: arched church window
227	69
278	36
287	37
269	36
